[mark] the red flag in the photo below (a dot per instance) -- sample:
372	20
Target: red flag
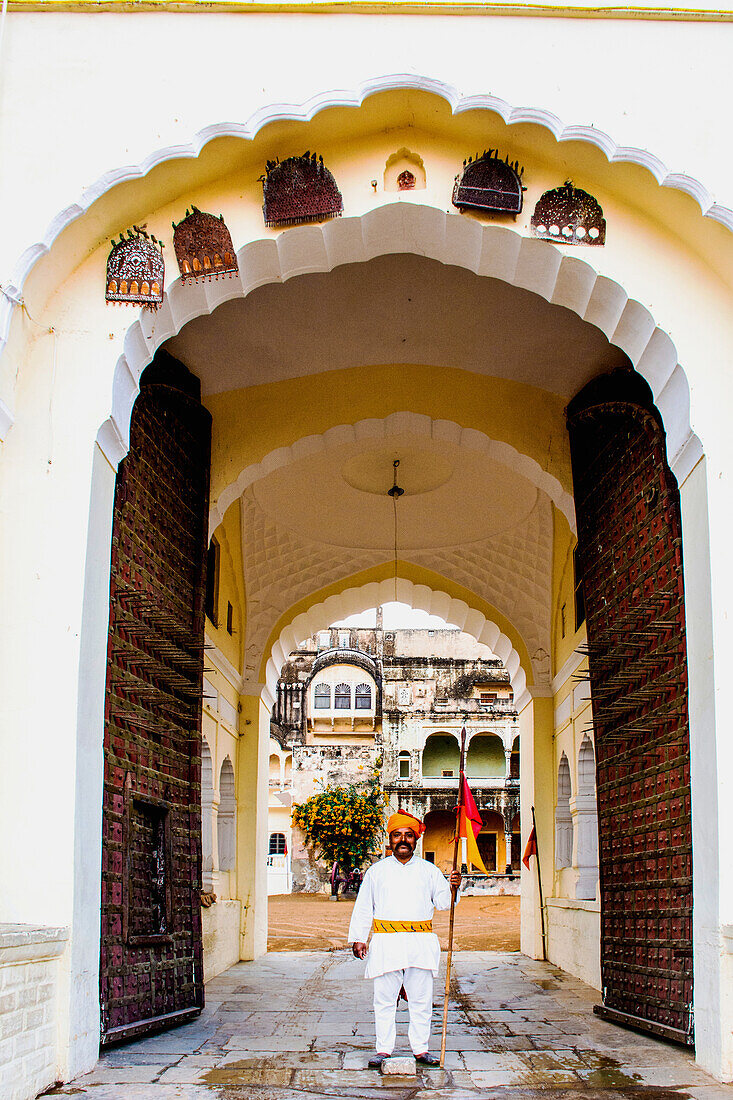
531	849
470	825
470	810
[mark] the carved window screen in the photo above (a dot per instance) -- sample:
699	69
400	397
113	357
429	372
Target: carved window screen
363	697
322	697
342	697
490	184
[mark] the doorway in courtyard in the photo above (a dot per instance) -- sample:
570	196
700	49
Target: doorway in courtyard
380	700
203	622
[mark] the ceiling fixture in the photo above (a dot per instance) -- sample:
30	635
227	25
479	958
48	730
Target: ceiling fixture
395	492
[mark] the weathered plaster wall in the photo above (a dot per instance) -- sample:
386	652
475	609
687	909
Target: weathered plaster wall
439	643
316	767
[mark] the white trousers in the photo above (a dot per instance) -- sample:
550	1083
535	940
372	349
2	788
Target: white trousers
418	985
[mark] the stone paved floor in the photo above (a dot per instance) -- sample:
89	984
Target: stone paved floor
299	1027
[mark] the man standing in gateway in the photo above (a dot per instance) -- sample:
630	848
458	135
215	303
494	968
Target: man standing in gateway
396	903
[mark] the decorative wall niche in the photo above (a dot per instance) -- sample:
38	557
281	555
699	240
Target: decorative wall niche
569	215
563	817
299	189
203	246
490	184
404	171
136	270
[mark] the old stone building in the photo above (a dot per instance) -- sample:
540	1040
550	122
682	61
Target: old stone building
353	703
428	701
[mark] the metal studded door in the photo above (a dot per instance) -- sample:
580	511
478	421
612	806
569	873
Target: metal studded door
151	973
630	549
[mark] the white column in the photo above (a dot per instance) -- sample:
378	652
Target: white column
252	785
585	821
706	526
55	545
210	840
536	729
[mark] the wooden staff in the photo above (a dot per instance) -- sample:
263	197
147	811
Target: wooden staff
454	892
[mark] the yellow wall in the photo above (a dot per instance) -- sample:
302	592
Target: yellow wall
231	589
279	414
438	838
494	823
563	593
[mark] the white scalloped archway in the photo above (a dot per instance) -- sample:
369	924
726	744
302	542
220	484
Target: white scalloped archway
374	430
354	98
355	600
490	250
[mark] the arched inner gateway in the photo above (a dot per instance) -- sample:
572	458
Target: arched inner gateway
472	377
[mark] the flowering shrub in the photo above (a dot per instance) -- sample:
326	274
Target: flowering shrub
341	823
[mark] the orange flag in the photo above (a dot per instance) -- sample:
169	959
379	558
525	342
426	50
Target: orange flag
470	825
531	849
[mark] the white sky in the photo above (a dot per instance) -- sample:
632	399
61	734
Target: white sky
397	616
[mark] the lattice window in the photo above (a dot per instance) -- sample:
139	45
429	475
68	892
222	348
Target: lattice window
322	697
363	697
342	697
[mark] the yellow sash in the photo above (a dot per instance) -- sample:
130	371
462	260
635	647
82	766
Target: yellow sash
402	925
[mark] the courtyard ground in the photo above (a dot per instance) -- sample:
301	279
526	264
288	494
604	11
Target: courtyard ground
311	922
298	1026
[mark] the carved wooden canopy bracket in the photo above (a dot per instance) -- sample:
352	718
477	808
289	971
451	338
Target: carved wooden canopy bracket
136	269
299	189
570	216
490	184
203	246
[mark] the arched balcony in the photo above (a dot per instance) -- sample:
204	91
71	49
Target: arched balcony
486	758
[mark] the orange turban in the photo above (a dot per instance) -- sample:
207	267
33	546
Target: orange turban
403	820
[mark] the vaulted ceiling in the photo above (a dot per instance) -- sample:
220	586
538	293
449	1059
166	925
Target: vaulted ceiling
393	309
467	515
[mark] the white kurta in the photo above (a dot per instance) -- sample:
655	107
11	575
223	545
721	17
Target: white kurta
399	891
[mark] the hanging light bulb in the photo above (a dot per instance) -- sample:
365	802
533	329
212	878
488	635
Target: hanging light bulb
395	492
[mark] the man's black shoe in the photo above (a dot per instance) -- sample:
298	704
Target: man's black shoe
427	1059
376	1061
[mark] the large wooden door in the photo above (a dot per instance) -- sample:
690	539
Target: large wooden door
630	550
151	972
